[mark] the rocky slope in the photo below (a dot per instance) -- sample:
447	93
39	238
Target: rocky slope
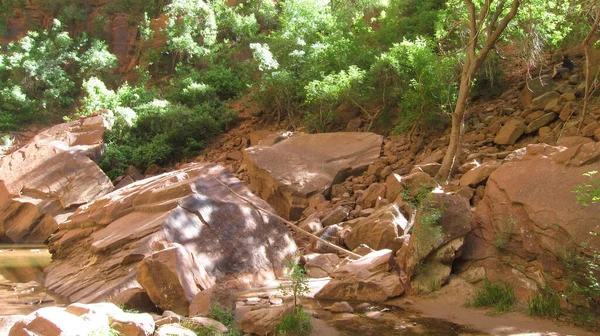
168	238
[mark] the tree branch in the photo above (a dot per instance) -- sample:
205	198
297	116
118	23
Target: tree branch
290	224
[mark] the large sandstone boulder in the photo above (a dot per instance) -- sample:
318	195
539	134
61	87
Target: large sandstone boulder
287	173
185	218
41	181
529	218
263	321
372	278
534	88
436	240
81	319
171	278
383	229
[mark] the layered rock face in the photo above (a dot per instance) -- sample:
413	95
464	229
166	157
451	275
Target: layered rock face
286	174
47	177
529	219
373	277
429	254
181	230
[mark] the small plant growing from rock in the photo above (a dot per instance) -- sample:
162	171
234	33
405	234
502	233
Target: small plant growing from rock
583	270
297	322
503	237
298	286
500	296
429	214
545	303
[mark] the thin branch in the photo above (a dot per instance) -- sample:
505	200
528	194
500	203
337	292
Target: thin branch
292	225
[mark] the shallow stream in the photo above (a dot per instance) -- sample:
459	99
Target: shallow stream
21	276
21	292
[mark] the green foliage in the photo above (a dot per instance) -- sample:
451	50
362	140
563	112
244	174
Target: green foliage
500	296
322	96
233	24
411	19
428	230
40	72
296	323
489	80
190	21
106	331
148	130
429	89
96	60
298	286
544	303
503	236
223	315
217	313
589	192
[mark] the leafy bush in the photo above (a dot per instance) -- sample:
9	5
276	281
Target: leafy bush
327	93
589	192
296	323
489	80
40	72
217	313
223	315
545	303
500	296
426	80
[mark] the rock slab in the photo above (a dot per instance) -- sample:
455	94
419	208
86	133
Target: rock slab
218	235
371	278
288	173
49	175
529	217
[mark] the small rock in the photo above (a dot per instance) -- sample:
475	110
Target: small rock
341	307
276	301
569	96
205	322
574	79
539	122
510	132
374	315
252	301
173	330
565	113
262	321
336	216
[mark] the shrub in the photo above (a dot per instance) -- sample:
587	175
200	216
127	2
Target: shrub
544	303
219	314
223	315
500	296
296	323
425	80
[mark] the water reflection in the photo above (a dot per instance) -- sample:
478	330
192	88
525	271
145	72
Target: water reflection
21	279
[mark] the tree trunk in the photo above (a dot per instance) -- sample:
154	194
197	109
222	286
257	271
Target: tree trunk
458	117
472	63
588	68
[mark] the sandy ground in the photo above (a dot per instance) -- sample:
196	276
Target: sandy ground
448	304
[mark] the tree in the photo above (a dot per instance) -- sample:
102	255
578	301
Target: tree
298	286
191	28
485	28
587	48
